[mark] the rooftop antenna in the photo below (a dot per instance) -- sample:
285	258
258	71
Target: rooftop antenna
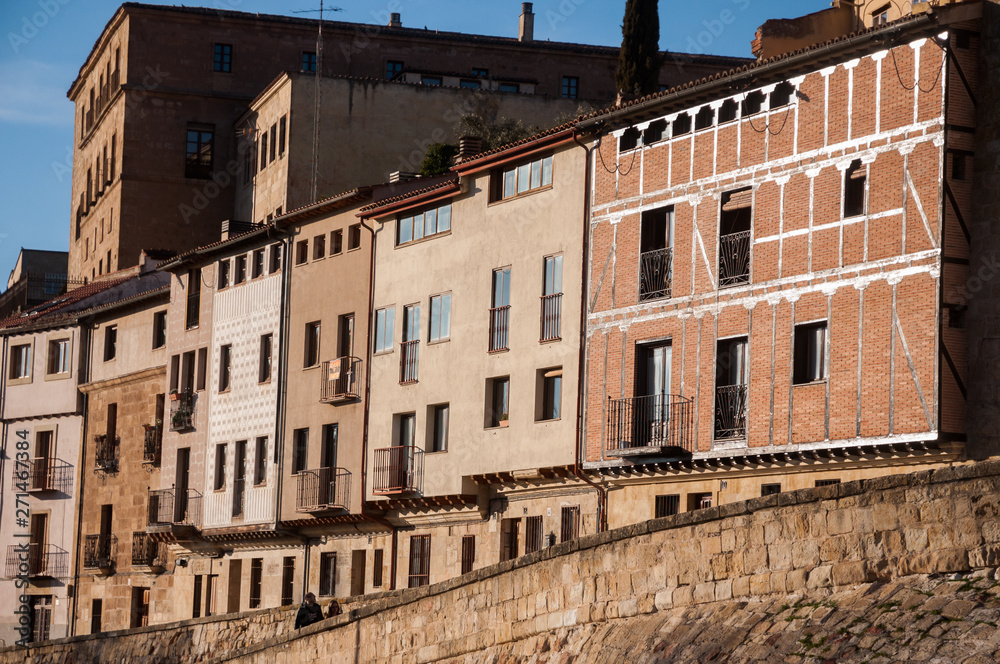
318	103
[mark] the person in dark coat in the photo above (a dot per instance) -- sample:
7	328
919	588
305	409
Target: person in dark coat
309	613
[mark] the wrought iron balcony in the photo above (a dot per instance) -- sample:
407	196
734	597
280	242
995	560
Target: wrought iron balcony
100	551
182	411
44	474
734	259
409	358
152	443
499	328
323	489
36	560
730	412
551	323
341	380
398	470
165	509
106	453
656	424
655	271
146	552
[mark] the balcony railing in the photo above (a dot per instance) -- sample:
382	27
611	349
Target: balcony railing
147	552
323	489
409	361
182	411
655	273
398	470
164	509
341	380
152	443
650	425
734	259
36	560
551	323
106	453
499	328
730	412
44	474
100	551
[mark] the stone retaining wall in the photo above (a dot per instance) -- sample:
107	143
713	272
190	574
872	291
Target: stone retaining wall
813	540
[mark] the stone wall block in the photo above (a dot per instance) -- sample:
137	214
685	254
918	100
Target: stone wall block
820	577
840	521
805	554
780	555
741	586
760	584
683	596
985	556
884	517
916	539
664	600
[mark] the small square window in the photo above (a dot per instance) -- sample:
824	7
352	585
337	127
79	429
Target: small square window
570	529
571	87
266	351
58	357
549	384
224	267
770	489
810	353
666	505
497	401
302	252
468	553
275	258
480	72
300	450
225	360
830	482
336	242
328	573
220	467
440	318
430	80
223	60
699	501
110	342
393	69
385	320
438	420
509	87
241	269
260	461
319	247
198	155
353	236
311	358
308	61
854	189
258	263
159	329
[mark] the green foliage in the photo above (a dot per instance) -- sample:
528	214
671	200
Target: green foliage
438	159
639	60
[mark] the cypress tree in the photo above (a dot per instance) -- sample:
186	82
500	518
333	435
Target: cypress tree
639	60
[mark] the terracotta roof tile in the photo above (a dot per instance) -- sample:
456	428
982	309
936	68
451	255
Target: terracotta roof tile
385	202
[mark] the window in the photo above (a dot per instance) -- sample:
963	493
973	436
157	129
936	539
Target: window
20	362
263	152
220	466
96	609
533	532
378	563
223	60
681	125
241	269
520	179
385	321
410	345
282	131
406	429
704	118
260	461
256	576
480	72
224	274
193	297
110	342
266	347
854	189
328	451
570	522
880	16
336	242
732	370
470	84
319	247
508	87
59	357
551	313
288	580
752	103
41	617
328	573
958	166
782	95
196	610
420	560
468	553
809	363
274	146
820	483
393	69
728	111
159	329
508	538
440	318
500	310
301	252
258	263
571	87
498	401
198	160
699	501
275	258
423	224
311	358
353	236
734	237
300	450
666	506
175	372
430	80
225	359
308	61
770	489
550	384
438	420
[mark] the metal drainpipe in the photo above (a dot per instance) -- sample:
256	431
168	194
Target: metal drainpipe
368	391
602	492
83	375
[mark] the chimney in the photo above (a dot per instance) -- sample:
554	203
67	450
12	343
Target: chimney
526	26
394	21
468	147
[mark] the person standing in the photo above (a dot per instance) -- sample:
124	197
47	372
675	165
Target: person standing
310	612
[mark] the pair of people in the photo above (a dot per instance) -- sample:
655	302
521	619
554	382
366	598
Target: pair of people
310	612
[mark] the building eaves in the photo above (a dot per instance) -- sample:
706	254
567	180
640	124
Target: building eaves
57	304
206	252
323	206
762	72
387	205
547	138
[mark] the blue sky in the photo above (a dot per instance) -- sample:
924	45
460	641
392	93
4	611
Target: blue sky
44	42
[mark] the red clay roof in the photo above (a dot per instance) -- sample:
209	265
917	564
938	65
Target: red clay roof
440	187
58	304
